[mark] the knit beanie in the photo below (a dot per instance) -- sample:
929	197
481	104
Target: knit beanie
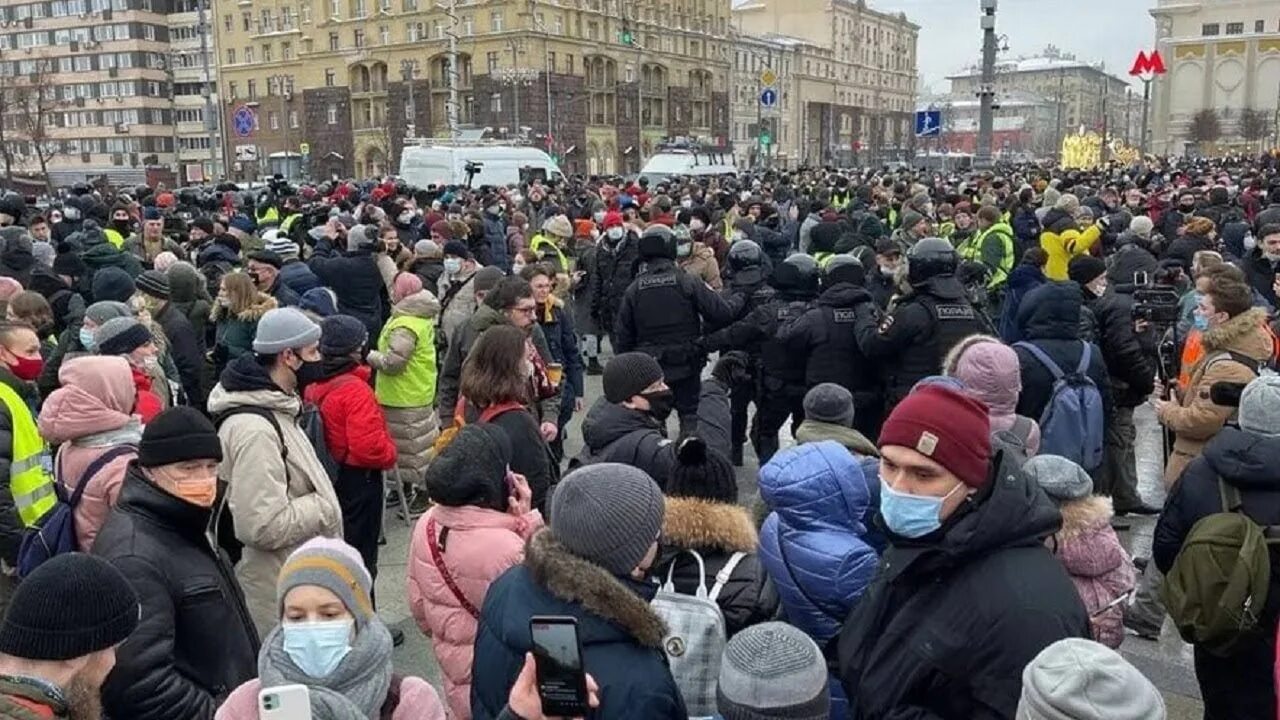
608	514
319	301
1077	679
1142	226
772	671
43	253
1060	478
406	284
72	605
946	425
486	279
121	336
1067	203
178	434
829	403
702	472
629	374
989	370
154	283
101	312
164	261
281	246
1260	406
112	283
341	335
9	287
427	249
910	219
1084	269
283	329
335	566
69	263
471	470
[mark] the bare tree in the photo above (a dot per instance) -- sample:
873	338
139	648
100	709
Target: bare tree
34	100
1255	125
1205	127
6	118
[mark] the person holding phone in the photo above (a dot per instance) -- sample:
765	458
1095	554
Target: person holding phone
330	640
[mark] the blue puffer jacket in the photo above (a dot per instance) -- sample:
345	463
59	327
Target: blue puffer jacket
812	542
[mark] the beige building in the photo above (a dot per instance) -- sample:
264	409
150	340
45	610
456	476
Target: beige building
849	93
1219	55
199	133
598	82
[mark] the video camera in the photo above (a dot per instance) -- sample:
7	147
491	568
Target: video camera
1156	298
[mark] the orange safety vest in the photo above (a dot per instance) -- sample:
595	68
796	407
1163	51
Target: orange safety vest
1193	353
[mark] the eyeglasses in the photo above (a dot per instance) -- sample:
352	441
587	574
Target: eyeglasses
526	309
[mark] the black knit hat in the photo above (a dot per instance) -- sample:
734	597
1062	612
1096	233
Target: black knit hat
71	606
68	263
702	472
266	257
153	283
1084	269
341	335
112	283
121	336
472	469
629	374
178	434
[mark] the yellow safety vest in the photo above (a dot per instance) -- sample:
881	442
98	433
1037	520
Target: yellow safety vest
416	385
972	251
114	237
288	223
270	217
840	203
823	258
540	241
30	478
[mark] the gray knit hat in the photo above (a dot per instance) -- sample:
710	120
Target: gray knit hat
333	565
829	403
608	514
1076	679
772	670
284	329
1260	406
628	374
121	336
102	311
1060	478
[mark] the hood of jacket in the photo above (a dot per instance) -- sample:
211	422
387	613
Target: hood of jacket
420	304
707	525
1085	515
995	379
1242	333
843	295
1023	277
46	282
245	383
105	255
97	395
214	252
1052	311
607	422
1058	221
817	485
186	284
1246	460
486	317
262	302
811	431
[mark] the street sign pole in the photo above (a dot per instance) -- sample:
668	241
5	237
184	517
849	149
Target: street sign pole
1146	68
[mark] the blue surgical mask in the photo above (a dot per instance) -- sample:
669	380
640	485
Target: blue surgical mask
452	265
87	340
911	516
317	648
1199	322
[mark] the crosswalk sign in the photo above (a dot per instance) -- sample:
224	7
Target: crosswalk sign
928	123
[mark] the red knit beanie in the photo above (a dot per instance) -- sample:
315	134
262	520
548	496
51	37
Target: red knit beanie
948	426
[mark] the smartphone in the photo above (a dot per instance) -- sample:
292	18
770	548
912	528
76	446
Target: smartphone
562	681
284	702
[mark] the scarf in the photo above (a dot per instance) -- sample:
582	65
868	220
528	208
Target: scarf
129	434
355	690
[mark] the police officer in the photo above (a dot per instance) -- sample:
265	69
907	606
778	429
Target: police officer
823	341
662	314
910	343
748	274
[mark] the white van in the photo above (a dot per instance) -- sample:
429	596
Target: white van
498	165
688	159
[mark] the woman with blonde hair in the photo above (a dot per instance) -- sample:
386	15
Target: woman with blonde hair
235	315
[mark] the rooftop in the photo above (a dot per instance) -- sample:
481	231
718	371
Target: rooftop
1049	60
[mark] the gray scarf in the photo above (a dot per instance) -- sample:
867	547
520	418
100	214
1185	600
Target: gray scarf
130	433
355	690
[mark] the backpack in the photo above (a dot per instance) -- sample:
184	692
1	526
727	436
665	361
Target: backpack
1218	585
1072	423
309	421
447	435
55	532
696	634
1014	441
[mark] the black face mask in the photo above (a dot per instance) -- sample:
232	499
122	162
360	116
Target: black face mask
661	403
1187	208
309	372
121	226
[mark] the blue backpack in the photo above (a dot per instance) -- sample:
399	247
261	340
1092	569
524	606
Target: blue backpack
55	532
1072	423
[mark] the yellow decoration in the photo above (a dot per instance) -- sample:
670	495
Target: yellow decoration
1084	150
1188	51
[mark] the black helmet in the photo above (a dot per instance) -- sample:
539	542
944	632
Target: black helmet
929	258
745	254
843	269
657	241
797	274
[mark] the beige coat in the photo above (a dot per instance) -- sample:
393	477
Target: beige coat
702	263
1194	418
275	508
414	429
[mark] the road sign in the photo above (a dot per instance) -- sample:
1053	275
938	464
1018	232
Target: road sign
769	97
928	123
243	120
768	78
304	148
1145	64
246	153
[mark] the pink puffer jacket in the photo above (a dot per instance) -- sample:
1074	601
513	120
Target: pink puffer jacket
480	545
1099	567
418	701
87	416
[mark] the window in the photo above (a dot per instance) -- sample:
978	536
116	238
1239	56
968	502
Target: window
335	8
492	62
306	14
273	120
248	55
358	35
558	22
384	6
330	77
266	53
495	103
468	25
495	21
231	56
410	5
332	114
293	119
357	8
232	89
246	20
568	64
252	86
1235	28
227	21
286	51
268	24
384	35
286	18
1259	26
437	29
333	41
1209	29
551	61
149	32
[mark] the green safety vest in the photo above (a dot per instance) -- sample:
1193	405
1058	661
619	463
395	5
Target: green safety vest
540	241
288	223
893	219
30	480
270	217
972	251
416	385
114	237
823	258
840	203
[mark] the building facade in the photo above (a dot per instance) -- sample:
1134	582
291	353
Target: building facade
1025	126
193	66
1220	56
599	83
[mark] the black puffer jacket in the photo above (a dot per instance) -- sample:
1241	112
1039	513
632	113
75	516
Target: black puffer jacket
1049	317
1130	357
1240	686
1261	274
1131	258
716	531
195	642
357	282
824	336
187	350
615	268
951	619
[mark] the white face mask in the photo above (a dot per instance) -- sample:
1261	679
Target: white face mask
695	224
1250	242
405	218
452	265
598	216
614	233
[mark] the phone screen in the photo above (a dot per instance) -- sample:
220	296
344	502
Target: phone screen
562	681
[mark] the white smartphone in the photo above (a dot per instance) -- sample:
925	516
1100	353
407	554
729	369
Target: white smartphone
284	702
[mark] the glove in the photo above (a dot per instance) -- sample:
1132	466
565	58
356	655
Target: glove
732	369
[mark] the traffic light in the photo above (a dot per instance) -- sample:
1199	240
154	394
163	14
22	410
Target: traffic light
625	37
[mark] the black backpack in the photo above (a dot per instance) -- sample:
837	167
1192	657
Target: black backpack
309	421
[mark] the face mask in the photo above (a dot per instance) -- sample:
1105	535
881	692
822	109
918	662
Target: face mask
598	216
1199	322
696	225
911	516
121	226
151	363
27	368
516	268
71	213
888	271
405	218
684	250
1099	288
686	203
1187	208
738	236
493	209
1250	242
452	265
255	277
317	648
86	339
311	371
614	233
661	403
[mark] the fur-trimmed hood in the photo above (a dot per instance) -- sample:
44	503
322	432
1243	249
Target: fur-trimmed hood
574	580
702	524
952	359
1083	515
262	302
1242	333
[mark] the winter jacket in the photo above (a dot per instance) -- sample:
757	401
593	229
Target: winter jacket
1050	320
530	455
186	348
1195	419
429	270
410	698
1022	280
998	392
558	328
278	502
824	337
1129	260
146	251
1242	685
952	619
1130	357
1062	241
456	305
1098	564
150	399
355	279
106	255
716	531
187	293
413	429
702	264
354	430
1261	274
11	528
495	238
477	545
87	417
615	268
298	276
1026	228
868	457
621	636
234	332
195	641
812	542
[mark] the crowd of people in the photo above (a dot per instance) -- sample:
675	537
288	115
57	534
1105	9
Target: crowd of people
210	397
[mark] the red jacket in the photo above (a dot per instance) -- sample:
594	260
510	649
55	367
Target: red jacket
354	428
148	405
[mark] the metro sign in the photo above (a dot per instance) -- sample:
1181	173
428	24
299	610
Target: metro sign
1145	64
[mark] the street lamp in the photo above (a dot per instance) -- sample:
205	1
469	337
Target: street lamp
408	69
516	76
284	85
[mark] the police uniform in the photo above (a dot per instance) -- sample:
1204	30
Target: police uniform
746	273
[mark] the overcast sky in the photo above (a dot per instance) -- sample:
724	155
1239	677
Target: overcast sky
1108	30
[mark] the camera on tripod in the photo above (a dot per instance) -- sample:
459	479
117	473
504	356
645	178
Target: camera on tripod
1156	297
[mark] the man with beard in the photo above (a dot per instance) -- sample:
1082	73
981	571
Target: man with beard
59	638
